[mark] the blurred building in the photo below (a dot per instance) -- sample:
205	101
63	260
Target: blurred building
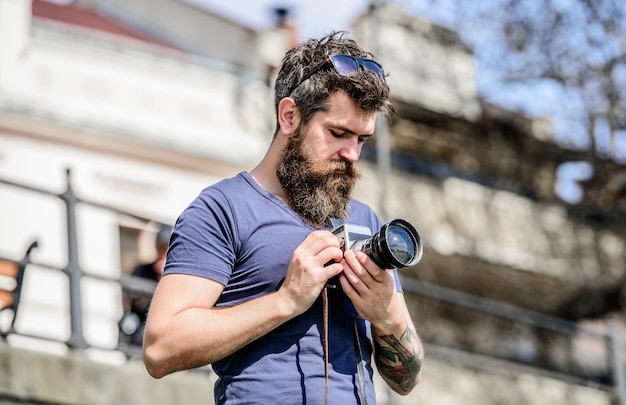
141	123
147	102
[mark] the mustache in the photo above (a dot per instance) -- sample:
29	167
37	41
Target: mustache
348	169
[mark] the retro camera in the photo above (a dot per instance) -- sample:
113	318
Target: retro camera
397	244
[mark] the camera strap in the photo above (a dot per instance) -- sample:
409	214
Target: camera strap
325	316
357	349
359	361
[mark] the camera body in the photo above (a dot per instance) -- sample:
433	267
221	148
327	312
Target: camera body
349	234
397	244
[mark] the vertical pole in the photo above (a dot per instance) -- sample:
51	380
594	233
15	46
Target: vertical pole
383	149
384	163
73	270
617	363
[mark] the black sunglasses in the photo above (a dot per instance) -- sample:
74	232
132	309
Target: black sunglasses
345	65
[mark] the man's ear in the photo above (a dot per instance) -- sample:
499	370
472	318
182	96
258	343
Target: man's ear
288	115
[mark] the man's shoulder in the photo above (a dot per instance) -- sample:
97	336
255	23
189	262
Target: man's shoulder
227	189
229	183
238	196
358	207
362	214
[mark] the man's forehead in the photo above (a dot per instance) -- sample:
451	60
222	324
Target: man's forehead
344	114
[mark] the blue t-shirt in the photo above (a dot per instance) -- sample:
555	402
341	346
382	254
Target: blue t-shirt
243	237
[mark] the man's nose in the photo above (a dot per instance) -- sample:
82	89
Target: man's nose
351	149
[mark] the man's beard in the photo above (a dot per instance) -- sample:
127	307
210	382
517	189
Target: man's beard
314	189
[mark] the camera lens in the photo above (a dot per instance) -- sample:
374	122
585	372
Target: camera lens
401	244
397	244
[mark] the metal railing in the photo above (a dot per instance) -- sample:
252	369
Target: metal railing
616	381
74	271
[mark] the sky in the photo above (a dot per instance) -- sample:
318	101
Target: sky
313	18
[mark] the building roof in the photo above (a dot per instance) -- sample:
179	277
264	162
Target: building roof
90	18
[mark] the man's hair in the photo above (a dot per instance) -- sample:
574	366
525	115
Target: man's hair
369	92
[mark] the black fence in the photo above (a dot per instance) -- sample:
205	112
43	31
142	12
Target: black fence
12	269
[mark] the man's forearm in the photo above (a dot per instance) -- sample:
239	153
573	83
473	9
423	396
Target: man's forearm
399	360
199	336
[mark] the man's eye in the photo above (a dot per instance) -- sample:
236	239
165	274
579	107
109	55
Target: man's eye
336	134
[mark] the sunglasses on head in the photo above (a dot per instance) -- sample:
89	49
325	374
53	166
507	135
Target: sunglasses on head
345	65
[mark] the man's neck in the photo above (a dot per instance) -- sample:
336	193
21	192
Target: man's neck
265	176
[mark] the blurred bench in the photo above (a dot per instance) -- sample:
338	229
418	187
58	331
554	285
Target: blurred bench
11	278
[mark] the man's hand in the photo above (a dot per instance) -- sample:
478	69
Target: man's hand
309	269
372	290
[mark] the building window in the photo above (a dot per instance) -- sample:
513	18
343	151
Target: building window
129	249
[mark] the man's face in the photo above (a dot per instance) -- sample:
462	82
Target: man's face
317	168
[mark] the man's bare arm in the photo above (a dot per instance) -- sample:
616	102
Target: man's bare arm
398	350
184	329
399	360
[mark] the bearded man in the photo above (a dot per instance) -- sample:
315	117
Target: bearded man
244	284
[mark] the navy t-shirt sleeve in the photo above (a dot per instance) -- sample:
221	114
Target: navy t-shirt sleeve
202	243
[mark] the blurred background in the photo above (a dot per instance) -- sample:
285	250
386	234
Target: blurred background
507	152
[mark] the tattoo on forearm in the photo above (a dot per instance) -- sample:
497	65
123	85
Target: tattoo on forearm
398	364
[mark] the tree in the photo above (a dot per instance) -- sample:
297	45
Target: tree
562	58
